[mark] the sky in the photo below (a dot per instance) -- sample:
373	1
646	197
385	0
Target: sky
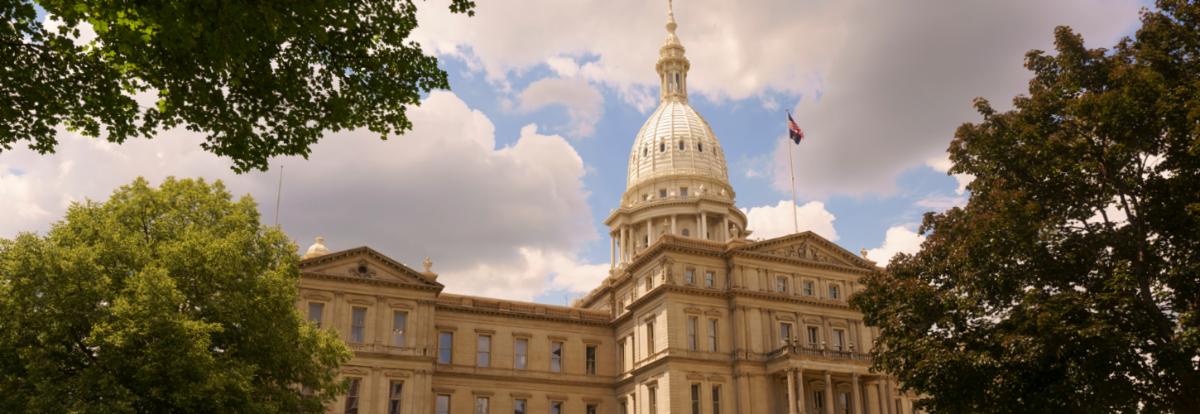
506	178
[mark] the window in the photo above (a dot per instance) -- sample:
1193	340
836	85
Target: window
443	404
686	233
809	290
662	147
645	151
681	145
649	338
692	323
682	190
624	407
649	282
399	325
710	279
352	396
483	351
519	406
358	325
785	331
395	391
839	339
620	305
521	348
712	335
653	400
716	399
662	193
689	276
700	146
315	311
621	356
556	407
781	284
481	405
819	400
591	409
834	292
556	351
813	336
590	357
445	347
843	403
695	398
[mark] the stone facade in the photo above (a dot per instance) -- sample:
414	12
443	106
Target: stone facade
693	317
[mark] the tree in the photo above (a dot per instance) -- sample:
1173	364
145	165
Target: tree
260	79
173	299
1070	282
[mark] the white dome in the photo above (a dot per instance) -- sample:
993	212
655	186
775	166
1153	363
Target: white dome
676	141
317	249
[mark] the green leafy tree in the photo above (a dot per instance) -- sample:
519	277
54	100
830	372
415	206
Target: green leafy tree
259	78
173	299
1070	282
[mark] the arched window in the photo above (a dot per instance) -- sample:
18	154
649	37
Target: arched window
645	151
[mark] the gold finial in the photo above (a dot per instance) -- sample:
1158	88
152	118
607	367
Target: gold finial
671	16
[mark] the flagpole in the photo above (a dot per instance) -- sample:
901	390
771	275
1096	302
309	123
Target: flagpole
792	173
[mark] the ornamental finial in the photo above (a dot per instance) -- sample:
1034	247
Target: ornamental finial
670	17
428	265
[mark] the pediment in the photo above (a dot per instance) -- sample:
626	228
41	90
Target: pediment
366	263
809	247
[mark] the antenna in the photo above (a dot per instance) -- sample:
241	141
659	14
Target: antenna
278	195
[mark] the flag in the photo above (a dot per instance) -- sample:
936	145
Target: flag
794	131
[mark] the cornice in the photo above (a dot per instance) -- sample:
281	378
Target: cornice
372	253
368	281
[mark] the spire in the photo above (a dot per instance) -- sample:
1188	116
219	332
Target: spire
672	66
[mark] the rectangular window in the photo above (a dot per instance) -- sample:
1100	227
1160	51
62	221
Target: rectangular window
649	338
556	354
519	406
785	331
710	279
352	396
682	190
814	336
834	292
481	405
649	283
621	356
442	406
692	325
809	288
445	347
590	357
624	407
716	399
662	193
556	407
358	325
521	349
483	351
689	276
819	400
591	409
396	390
399	325
712	335
653	400
839	339
695	398
315	311
781	284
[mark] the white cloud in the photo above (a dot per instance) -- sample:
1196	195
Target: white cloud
898	239
513	217
773	221
943	165
87	34
940	203
584	104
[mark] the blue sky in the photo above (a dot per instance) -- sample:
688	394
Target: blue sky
505	180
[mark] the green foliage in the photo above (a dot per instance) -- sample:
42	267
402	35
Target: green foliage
1070	282
173	299
259	79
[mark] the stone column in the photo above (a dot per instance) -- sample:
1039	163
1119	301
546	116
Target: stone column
890	401
703	226
725	228
828	393
855	395
649	232
624	244
791	393
673	232
800	384
883	397
872	397
612	251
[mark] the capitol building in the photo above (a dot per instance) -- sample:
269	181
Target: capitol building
693	317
